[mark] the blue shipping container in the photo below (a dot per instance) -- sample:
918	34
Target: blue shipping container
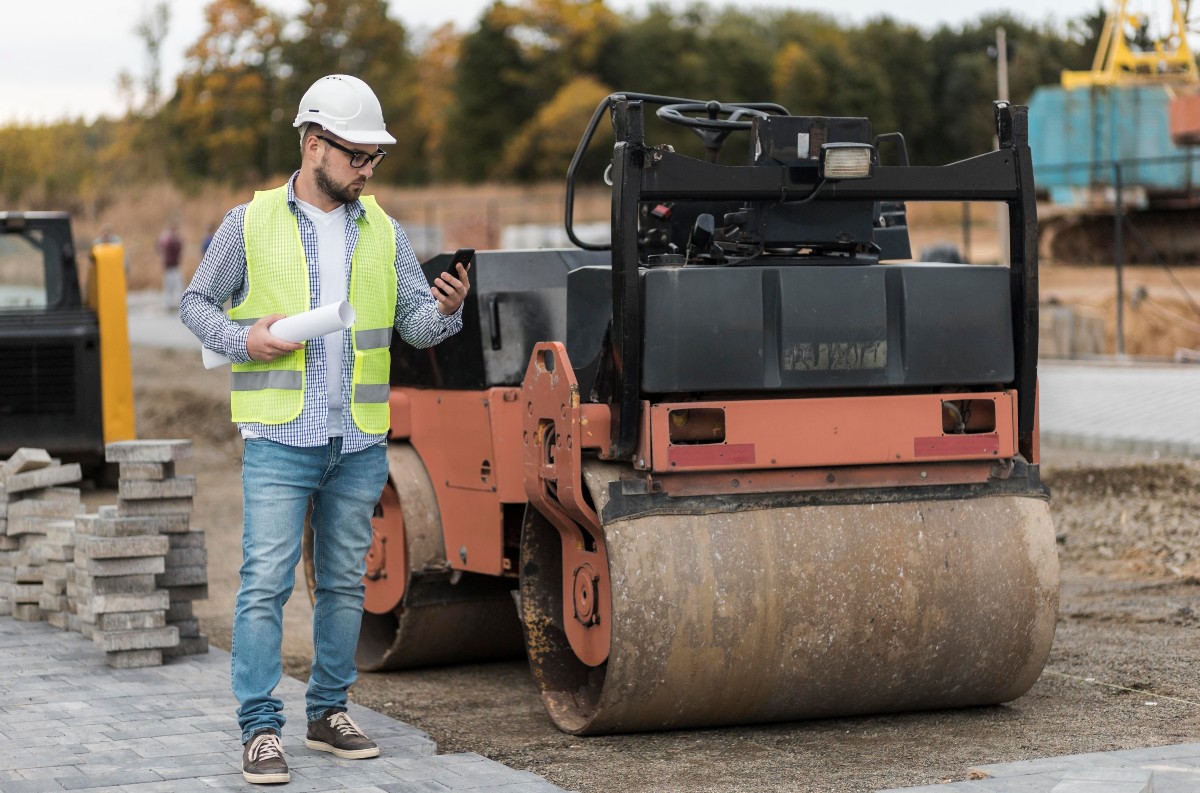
1075	135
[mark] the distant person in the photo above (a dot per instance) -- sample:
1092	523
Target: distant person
170	249
314	416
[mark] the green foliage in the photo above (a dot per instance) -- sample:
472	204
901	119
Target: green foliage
53	166
543	148
486	110
220	119
509	98
515	62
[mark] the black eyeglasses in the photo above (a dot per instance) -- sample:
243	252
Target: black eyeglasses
358	159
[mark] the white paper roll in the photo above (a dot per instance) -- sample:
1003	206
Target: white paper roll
300	327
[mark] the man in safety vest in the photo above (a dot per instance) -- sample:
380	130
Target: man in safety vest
314	415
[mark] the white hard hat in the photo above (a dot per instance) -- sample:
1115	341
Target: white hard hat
347	107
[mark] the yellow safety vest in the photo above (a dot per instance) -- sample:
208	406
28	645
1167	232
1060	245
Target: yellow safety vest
277	277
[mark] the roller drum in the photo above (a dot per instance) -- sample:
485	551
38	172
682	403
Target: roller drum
801	612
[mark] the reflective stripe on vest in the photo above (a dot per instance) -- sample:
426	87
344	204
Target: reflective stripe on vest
257	381
277	280
372	339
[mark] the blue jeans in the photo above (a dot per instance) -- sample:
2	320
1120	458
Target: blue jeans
278	483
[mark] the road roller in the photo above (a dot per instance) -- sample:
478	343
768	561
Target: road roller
745	460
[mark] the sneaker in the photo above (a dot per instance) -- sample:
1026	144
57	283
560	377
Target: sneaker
336	732
262	759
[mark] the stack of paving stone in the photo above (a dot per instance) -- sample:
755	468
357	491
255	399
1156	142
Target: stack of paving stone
36	516
150	490
125	576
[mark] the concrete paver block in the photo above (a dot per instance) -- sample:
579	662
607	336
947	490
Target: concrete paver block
192	538
189	592
124	547
25	459
111	585
107	604
120	567
188	645
153	639
154	506
137	489
70	495
49	602
27	612
42	508
36	524
113	525
186	628
43	478
179	610
183	576
146	470
131	620
186	557
25	593
148	451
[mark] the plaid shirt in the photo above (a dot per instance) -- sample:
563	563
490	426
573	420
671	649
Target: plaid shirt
222	275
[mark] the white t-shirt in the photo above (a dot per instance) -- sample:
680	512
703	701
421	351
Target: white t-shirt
331	268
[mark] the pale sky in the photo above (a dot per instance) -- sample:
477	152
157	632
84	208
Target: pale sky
60	59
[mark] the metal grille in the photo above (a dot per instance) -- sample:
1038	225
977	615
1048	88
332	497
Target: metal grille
37	380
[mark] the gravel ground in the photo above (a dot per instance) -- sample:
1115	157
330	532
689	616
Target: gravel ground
1123	671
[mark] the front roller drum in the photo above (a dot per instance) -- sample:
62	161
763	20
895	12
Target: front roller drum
799	612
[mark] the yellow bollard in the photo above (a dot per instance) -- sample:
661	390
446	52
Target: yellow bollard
106	296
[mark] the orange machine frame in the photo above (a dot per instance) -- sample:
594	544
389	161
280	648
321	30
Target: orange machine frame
471	443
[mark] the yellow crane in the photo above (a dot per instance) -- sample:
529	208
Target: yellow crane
1126	57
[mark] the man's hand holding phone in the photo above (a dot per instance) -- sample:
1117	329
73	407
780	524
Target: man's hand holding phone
450	289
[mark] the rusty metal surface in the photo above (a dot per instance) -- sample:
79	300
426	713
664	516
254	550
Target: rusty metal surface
387	558
555	432
806	612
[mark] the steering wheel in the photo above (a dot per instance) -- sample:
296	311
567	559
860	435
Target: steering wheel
737	116
711	128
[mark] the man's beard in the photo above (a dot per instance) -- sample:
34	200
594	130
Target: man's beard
342	194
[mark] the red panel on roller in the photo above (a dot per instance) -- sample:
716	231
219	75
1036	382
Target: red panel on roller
711	454
953	445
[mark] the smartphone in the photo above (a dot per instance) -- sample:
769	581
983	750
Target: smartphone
464	256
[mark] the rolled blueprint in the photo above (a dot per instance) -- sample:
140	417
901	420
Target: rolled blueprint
299	327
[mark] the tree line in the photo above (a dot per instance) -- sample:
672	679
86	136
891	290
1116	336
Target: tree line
508	99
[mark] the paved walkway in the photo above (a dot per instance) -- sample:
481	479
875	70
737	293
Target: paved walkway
69	722
1121	407
1159	769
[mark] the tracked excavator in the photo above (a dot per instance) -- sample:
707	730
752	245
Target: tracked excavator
1124	132
745	461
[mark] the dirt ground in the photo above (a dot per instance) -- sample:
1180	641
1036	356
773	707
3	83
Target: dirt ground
1123	671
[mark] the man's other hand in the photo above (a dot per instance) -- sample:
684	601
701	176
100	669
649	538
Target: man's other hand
264	347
